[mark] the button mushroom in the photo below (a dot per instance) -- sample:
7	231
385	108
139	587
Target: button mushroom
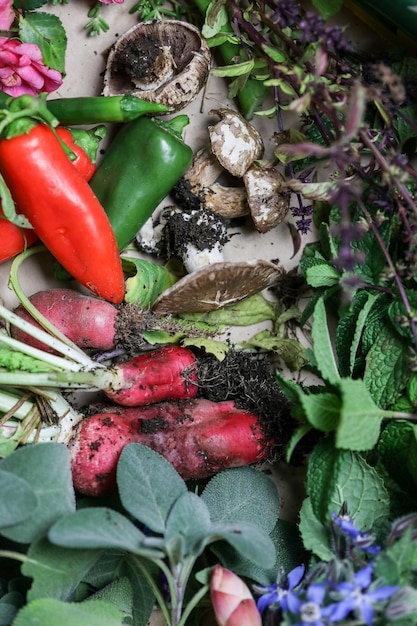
198	188
164	61
267	196
196	237
235	142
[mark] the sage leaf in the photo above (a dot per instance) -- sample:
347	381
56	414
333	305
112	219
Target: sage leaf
249	540
119	593
50	612
46	468
157	485
51	578
242	494
100	527
188	526
18	500
113	564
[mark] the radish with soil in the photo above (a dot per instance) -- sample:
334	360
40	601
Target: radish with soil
198	437
167	373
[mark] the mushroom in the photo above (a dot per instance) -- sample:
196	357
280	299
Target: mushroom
198	188
267	196
218	285
196	237
164	61
235	142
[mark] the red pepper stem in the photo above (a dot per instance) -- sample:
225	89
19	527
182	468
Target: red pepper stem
22	114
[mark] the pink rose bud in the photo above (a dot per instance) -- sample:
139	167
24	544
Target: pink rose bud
232	601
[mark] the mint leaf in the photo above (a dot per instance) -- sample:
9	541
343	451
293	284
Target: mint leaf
322	345
322	410
394	449
323	275
157	485
45	30
315	535
350	329
335	477
360	418
387	370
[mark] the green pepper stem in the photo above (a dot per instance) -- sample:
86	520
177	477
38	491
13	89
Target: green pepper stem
176	125
102	109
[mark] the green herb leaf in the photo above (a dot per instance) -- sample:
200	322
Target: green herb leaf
188	527
158	485
322	410
50	578
146	281
18	500
335	477
49	34
316	536
100	527
322	345
387	370
242	494
50	612
249	540
360	418
46	468
328	8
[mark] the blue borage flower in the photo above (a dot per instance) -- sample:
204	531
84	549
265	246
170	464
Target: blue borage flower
358	539
359	597
309	609
280	593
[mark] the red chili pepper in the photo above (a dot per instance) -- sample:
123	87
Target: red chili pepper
63	210
15	239
82	162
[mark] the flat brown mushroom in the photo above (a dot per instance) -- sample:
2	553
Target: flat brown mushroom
218	285
164	61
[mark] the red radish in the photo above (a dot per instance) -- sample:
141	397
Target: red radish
87	321
198	437
166	374
169	373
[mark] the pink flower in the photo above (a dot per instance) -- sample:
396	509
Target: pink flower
111	1
22	70
6	14
232	601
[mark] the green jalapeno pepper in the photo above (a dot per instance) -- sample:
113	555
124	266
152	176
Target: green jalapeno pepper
143	163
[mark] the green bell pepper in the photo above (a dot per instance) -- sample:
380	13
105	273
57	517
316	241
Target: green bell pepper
143	163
